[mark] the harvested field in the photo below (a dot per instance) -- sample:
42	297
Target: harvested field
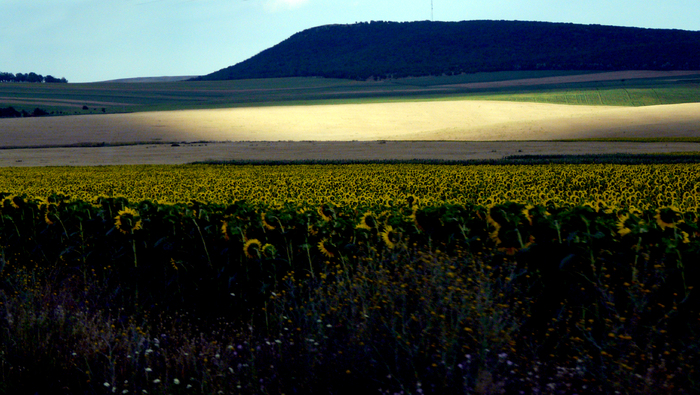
461	120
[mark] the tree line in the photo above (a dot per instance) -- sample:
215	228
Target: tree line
30	77
382	50
10	112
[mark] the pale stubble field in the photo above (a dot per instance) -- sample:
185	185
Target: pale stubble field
344	131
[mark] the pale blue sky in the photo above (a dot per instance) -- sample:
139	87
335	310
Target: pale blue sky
95	40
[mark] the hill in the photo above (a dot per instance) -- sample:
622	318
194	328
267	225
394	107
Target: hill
393	50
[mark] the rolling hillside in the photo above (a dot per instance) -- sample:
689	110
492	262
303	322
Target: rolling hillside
392	50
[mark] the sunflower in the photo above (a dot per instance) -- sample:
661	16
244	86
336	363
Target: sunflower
621	228
686	237
264	222
668	217
312	230
15	201
367	222
493	235
247	246
526	212
224	230
127	220
386	236
325	211
412	201
269	250
324	249
50	210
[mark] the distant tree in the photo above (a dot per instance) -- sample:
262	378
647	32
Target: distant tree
30	77
38	112
7	77
34	77
9	112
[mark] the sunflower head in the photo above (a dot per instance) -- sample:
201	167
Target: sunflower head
224	230
686	237
387	234
668	217
496	226
51	212
622	228
268	250
252	247
127	220
326	212
326	248
368	222
266	225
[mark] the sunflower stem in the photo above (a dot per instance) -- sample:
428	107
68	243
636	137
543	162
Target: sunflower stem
133	248
206	251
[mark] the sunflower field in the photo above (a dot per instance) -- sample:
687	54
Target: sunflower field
376	277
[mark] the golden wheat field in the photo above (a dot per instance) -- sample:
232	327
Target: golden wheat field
457	120
290	128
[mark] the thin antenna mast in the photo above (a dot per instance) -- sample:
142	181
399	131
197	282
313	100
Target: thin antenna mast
431	11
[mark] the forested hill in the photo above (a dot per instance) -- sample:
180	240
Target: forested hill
391	49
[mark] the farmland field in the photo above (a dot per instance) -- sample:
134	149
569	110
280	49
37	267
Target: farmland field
371	278
615	106
434	277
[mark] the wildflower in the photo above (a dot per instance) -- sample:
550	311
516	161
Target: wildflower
127	221
106	384
248	244
176	381
156	381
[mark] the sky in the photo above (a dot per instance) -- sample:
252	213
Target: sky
98	40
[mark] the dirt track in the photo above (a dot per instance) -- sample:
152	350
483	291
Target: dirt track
322	150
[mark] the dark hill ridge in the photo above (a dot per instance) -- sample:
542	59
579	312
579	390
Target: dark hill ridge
394	50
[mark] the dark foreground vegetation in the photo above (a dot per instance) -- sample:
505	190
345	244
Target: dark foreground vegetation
380	50
113	297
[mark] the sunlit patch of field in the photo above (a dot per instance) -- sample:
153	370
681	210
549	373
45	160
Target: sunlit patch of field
458	120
